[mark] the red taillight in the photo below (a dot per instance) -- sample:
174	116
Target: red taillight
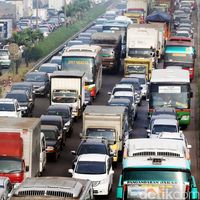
93	92
125	188
191	68
187	188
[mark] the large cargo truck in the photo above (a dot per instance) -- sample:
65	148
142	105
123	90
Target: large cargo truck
67	88
111	49
109	122
20	148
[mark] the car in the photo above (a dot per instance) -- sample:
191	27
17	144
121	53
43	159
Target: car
97	27
45	31
126	103
128	95
98	169
5	61
121	87
91	146
49	68
138	88
100	20
160	125
159	111
65	112
57	60
188	29
40	81
25	103
25	86
10	108
53	141
55	121
88	98
6	188
181	33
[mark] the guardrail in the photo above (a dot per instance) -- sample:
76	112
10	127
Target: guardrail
58	49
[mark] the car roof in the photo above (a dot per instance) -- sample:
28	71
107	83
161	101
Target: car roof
165	122
17	92
23	83
56	57
37	73
93	157
121	100
123	86
49	65
94	141
174	136
131	79
49	127
51	117
123	93
59	107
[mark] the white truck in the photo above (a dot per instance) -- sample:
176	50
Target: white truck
135	4
109	122
21	148
68	88
142	42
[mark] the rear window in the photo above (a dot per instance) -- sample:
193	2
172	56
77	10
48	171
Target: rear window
51	122
90	149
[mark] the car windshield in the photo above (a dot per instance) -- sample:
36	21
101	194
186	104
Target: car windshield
3	53
116	89
50	135
63	113
92	148
35	78
109	134
135	84
9	165
163	128
7	107
64	96
47	69
90	167
51	122
19	97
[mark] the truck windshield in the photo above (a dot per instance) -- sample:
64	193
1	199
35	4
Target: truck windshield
155	183
141	52
10	165
170	96
136	69
87	167
80	64
107	52
64	96
179	57
164	128
109	134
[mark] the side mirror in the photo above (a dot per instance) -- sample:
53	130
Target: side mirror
27	168
109	93
71	171
148	131
189	146
73	152
30	99
81	135
19	109
112	153
59	67
157	53
191	94
148	135
112	172
36	70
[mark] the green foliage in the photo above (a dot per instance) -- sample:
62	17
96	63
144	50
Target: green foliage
59	36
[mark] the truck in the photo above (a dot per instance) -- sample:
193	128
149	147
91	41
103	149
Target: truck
137	10
108	122
6	29
154	170
111	49
68	88
142	42
20	148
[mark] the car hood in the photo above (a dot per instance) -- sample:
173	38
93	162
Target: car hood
91	177
8	114
23	104
38	83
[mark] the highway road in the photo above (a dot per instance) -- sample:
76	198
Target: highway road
60	168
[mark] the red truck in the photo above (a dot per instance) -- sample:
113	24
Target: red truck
20	148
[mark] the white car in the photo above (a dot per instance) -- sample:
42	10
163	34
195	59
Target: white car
5	58
158	126
98	169
10	108
6	188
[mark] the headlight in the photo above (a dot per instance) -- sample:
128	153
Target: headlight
185	117
41	88
67	123
75	108
24	108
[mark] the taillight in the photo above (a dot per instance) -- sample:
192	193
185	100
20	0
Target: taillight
187	188
93	92
125	188
191	69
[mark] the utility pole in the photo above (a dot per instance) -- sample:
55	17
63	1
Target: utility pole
65	12
36	14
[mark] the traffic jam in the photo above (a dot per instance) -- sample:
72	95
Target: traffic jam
148	50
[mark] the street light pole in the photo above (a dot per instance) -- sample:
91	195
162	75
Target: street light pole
36	14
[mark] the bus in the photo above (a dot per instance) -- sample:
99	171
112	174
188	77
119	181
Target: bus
155	171
180	53
85	58
171	88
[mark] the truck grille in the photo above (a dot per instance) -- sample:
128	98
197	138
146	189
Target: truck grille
31	193
144	154
59	194
149	153
168	154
